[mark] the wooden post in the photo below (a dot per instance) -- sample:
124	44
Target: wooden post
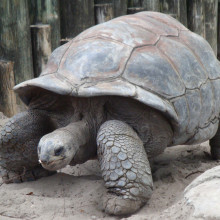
135	6
135	3
151	5
176	9
15	40
103	13
196	16
46	12
211	16
76	16
120	7
134	10
102	1
7	96
41	46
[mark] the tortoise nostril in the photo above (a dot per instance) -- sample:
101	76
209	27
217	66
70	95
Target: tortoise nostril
58	151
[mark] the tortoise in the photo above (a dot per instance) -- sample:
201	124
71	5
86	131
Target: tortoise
123	91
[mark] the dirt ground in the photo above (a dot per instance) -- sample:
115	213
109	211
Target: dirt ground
76	192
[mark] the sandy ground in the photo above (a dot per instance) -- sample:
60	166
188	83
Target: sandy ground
76	192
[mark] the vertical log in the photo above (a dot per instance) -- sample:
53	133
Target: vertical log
135	3
102	1
7	96
211	10
134	10
135	6
175	8
196	16
76	16
46	12
151	5
120	7
15	37
103	13
41	46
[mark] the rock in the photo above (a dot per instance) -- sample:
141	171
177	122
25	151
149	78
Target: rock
204	195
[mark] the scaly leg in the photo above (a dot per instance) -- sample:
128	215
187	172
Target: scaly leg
125	168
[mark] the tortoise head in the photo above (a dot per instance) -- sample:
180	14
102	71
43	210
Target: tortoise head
56	150
72	145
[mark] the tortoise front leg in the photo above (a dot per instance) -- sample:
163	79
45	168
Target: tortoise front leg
19	137
125	168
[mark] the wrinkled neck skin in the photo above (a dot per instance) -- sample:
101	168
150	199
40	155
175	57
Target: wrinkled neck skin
77	121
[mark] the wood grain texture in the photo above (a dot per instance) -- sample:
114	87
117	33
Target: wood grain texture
120	7
76	16
7	96
41	46
103	13
46	12
211	16
15	37
176	9
196	16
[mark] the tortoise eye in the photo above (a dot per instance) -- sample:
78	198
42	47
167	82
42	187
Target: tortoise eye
58	151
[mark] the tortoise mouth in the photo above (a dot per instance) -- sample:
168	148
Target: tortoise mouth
54	164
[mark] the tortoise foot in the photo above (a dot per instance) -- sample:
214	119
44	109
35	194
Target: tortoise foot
117	205
25	175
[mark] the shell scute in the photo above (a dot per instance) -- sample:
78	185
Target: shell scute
133	35
208	105
189	69
203	51
93	61
148	69
195	106
55	59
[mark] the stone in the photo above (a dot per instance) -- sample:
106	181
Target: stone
204	195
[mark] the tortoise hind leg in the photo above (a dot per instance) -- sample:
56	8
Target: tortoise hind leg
125	168
215	145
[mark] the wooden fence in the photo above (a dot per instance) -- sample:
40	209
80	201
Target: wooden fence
31	29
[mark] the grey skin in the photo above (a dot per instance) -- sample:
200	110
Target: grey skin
123	91
123	139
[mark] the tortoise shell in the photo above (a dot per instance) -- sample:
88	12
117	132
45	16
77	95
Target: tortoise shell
148	56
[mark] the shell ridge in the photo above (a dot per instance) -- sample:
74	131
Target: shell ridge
194	53
164	22
103	38
172	64
64	55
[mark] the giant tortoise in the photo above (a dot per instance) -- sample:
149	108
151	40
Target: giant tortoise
123	91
